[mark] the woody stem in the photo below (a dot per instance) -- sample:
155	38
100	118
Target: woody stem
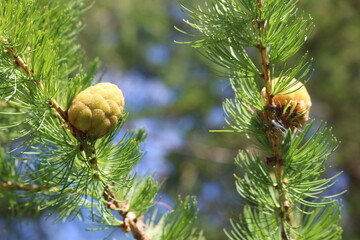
273	133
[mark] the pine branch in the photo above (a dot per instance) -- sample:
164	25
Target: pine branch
131	221
9	185
273	132
62	113
22	187
21	63
290	180
18	60
66	169
129	217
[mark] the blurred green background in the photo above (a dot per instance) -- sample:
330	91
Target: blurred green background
171	91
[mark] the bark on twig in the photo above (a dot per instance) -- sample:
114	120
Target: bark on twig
274	133
131	222
22	187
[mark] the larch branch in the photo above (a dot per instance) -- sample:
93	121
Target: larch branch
21	63
131	222
274	134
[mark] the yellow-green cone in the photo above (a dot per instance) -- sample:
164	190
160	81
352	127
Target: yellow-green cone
294	104
96	110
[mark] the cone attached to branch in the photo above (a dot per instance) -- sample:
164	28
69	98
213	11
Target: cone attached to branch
292	105
96	110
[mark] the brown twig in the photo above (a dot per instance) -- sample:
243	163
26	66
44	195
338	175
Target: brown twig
266	74
19	61
36	188
274	133
22	187
131	222
259	4
59	110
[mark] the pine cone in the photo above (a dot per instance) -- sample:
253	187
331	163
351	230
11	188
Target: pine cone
293	108
95	111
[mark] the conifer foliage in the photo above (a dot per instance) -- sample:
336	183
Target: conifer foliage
64	161
254	44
